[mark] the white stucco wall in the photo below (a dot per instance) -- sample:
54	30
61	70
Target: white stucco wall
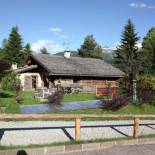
23	75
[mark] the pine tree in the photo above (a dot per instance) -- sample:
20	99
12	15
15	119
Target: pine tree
4	43
26	51
148	52
127	56
13	47
90	49
2	52
43	51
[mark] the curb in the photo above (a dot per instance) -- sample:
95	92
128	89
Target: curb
79	147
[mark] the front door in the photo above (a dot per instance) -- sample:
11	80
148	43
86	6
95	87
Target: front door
34	82
30	82
27	82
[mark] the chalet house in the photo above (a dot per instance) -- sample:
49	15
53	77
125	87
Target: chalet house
93	75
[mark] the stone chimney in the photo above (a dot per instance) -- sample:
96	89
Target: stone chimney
14	66
67	54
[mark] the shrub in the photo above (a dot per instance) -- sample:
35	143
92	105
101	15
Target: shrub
56	97
17	90
145	88
116	103
145	94
125	87
148	80
10	82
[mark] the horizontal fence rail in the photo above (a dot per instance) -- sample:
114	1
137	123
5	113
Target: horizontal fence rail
78	117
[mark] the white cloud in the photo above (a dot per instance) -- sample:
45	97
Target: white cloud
141	6
117	44
139	45
138	5
55	29
64	36
49	44
151	7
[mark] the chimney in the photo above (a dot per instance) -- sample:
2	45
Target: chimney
14	66
67	54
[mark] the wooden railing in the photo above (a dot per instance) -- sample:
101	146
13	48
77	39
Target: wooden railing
78	117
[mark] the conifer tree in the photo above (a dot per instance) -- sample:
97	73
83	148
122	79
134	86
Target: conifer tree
127	56
13	47
148	52
26	51
43	51
90	48
2	52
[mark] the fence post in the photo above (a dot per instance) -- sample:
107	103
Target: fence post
136	127
77	129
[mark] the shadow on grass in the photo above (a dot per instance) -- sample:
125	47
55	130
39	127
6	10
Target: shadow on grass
5	94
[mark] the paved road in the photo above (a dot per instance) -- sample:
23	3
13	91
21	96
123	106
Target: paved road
44	132
121	150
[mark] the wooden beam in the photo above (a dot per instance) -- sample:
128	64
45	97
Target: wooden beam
77	129
136	127
71	116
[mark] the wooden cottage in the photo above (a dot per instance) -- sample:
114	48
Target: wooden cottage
94	75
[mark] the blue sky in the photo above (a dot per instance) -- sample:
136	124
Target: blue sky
63	24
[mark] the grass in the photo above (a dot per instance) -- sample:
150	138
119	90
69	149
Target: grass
28	98
80	97
74	142
7	100
130	109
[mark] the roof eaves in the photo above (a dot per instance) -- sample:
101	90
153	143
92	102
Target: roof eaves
85	75
26	68
36	59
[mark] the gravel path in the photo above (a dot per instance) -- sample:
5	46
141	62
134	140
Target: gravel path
43	132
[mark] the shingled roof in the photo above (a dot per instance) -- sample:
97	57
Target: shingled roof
75	66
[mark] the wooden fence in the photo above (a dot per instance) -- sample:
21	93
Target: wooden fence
78	117
109	92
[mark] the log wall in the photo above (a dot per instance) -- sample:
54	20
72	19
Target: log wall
100	87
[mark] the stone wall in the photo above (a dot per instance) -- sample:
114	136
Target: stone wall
98	86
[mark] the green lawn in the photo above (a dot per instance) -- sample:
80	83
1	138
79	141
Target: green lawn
28	98
130	109
80	97
7	100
